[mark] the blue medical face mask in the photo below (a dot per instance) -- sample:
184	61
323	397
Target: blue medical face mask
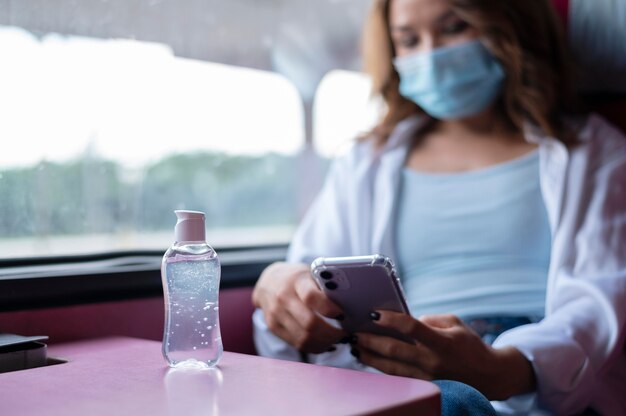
451	82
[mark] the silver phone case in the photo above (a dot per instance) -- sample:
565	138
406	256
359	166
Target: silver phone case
360	285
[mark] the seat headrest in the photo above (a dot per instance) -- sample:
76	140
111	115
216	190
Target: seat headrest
596	31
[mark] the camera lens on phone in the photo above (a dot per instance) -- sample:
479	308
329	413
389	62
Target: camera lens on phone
326	275
330	285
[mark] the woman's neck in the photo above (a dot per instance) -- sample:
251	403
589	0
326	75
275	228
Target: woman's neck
469	144
486	125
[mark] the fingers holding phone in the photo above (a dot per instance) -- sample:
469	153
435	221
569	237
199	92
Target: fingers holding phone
360	285
313	297
446	348
291	302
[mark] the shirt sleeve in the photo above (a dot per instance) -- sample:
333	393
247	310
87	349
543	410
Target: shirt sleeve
322	232
577	351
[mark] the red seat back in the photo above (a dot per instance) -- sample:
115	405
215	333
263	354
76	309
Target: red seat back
562	8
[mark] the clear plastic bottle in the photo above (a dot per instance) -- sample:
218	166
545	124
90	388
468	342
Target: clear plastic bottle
191	276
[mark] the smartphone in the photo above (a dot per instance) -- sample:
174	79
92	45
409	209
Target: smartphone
360	285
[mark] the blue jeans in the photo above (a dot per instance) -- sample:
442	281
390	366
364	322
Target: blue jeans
458	399
489	328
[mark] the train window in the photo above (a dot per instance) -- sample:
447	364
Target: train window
343	110
115	113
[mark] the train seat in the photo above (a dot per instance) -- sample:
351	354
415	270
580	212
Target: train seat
596	31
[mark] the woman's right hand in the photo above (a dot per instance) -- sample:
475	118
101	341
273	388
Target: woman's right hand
291	300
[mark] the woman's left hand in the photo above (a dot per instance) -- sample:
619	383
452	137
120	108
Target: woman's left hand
445	348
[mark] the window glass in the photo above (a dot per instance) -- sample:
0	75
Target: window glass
343	111
117	112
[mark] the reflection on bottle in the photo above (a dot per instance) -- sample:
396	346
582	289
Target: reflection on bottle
192	391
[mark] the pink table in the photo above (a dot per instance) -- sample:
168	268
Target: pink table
127	376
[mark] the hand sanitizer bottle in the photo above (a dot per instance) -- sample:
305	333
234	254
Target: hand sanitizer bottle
191	276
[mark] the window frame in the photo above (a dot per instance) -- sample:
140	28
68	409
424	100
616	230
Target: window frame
33	283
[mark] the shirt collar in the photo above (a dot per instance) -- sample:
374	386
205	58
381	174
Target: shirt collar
405	131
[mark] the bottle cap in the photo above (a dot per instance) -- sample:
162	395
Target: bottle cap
190	226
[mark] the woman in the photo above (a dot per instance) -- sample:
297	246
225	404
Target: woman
492	197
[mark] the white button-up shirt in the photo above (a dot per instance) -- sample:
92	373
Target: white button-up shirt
577	350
